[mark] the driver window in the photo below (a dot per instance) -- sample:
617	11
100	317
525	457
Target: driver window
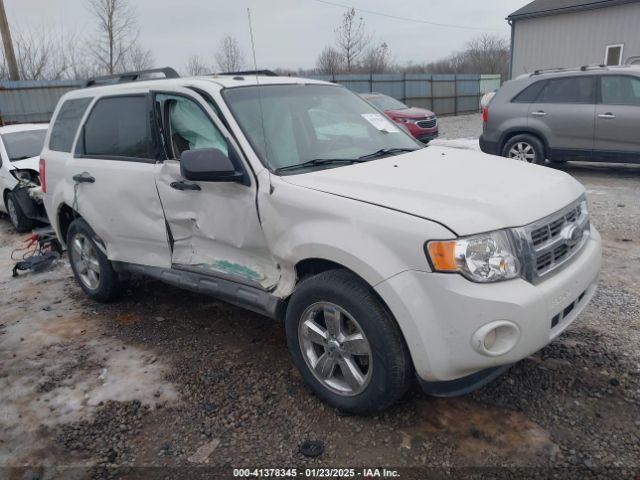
187	126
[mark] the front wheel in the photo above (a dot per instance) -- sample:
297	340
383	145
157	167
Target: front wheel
19	220
346	345
525	148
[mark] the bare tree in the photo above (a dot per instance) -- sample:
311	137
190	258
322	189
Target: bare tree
139	58
197	66
330	62
41	53
229	57
117	33
351	38
377	59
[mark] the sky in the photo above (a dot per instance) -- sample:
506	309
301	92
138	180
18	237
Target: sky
288	33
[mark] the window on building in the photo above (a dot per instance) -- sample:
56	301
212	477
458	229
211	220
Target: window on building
613	55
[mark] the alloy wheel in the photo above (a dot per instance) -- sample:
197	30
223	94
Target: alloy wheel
335	348
523	151
85	261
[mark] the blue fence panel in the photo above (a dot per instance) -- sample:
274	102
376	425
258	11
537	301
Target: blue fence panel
391	84
356	82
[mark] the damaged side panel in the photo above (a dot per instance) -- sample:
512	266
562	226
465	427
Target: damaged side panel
216	229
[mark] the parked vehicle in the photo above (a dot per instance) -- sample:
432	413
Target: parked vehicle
588	114
296	199
20	147
420	122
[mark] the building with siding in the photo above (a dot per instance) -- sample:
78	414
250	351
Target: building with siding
571	33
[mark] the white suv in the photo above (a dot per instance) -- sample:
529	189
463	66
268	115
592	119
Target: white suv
297	199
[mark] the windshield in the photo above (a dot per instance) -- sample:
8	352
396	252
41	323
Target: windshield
302	123
386	103
26	144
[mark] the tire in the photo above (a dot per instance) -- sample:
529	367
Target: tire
385	370
526	148
18	219
92	269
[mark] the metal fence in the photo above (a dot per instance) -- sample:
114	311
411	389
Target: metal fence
443	94
31	100
34	100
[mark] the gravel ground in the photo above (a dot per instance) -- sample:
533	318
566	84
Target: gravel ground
171	379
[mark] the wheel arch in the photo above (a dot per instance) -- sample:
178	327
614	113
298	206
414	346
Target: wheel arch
64	216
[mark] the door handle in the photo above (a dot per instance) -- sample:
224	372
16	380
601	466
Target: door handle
84	177
185	186
539	113
606	115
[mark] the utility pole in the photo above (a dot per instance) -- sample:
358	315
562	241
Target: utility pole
9	54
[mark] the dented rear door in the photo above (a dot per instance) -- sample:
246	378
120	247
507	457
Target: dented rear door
214	227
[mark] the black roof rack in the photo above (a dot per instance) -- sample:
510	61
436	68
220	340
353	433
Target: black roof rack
583	68
131	76
264	73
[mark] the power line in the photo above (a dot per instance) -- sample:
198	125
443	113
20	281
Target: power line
407	19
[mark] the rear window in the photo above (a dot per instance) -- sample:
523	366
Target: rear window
118	127
66	124
21	145
569	90
529	94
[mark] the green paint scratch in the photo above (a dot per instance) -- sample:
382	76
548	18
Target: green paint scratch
235	269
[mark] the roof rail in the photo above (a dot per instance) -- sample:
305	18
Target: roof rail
265	73
583	68
133	76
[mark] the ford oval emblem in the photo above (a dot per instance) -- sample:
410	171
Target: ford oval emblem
571	234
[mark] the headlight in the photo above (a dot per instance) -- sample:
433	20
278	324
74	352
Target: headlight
25	175
488	257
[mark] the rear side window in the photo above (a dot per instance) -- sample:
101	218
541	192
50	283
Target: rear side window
529	94
66	124
569	90
118	127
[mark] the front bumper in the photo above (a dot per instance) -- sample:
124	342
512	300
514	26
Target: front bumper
441	315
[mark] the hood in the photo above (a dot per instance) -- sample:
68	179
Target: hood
32	163
468	192
412	112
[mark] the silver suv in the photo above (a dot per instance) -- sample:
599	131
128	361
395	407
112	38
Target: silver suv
591	113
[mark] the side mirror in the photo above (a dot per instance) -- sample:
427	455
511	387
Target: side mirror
209	165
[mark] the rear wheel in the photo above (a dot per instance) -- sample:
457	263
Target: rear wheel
525	148
19	220
346	345
91	267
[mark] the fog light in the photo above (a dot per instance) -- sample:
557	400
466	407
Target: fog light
490	339
495	338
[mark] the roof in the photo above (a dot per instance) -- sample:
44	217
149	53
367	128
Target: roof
216	81
539	8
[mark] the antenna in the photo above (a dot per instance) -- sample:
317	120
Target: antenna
255	67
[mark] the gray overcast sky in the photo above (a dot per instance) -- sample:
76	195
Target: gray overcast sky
288	33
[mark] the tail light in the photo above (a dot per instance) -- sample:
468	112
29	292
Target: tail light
485	114
43	177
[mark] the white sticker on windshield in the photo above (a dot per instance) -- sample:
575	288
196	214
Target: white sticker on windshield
381	123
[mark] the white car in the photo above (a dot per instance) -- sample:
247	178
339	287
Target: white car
386	260
20	147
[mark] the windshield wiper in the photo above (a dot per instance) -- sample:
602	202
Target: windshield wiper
16	159
318	162
386	151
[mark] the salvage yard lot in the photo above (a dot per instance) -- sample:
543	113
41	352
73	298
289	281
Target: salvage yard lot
151	379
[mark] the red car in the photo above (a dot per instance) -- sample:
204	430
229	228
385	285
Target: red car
420	122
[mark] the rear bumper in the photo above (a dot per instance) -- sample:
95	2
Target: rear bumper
488	146
445	317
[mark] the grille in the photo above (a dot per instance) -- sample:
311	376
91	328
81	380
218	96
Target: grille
551	242
428	123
